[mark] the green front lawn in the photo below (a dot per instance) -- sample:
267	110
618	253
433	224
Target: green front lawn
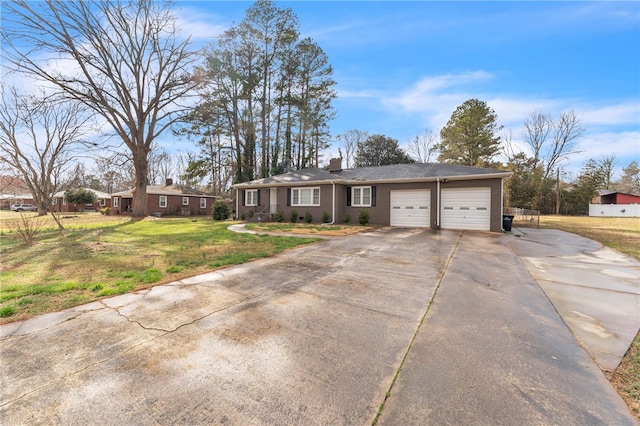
99	256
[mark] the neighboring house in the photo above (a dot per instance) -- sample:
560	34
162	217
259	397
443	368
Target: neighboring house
59	204
615	197
166	200
439	196
615	204
13	190
6	200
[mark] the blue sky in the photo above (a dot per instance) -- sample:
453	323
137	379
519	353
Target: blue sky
403	67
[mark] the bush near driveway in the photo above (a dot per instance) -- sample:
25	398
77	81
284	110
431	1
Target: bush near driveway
102	257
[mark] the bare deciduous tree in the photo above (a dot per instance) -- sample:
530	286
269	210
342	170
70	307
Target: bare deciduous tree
160	166
115	172
422	147
38	141
122	59
552	140
349	141
537	128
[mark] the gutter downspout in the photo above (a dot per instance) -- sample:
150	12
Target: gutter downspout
438	203
237	205
502	205
333	207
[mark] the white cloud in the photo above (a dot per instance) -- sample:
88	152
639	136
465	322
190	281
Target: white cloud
200	26
424	93
624	113
621	144
512	112
431	99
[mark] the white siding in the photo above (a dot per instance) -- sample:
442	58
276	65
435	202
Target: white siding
466	208
410	208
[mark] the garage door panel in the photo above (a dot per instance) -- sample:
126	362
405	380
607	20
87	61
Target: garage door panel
466	208
410	208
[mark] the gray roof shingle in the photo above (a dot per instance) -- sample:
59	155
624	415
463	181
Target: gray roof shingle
396	172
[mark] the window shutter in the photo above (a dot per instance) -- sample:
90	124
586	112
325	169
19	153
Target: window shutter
373	196
244	191
348	196
288	196
258	194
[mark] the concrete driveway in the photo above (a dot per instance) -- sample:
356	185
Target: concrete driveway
440	327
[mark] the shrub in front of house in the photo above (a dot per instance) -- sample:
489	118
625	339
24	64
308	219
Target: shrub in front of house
325	217
279	216
308	217
105	211
294	216
346	218
363	217
221	210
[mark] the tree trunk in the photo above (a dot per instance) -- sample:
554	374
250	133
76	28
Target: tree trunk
141	164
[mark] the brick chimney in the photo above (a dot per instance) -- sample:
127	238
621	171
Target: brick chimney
335	165
169	182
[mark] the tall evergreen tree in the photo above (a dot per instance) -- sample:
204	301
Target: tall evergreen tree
273	92
630	180
469	138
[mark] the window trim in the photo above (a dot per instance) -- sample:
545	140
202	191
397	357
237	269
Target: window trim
358	201
185	201
295	196
251	200
160	201
203	203
116	201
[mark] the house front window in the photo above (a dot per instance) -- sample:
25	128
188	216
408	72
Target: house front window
203	203
185	201
361	196
103	202
54	201
251	197
163	201
305	197
116	202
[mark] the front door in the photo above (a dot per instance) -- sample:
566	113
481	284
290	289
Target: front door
273	200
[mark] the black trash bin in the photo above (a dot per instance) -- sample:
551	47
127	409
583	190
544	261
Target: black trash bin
507	221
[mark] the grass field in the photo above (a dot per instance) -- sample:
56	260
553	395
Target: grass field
98	256
619	233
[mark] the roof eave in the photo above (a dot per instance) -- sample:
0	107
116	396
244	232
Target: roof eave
497	175
249	185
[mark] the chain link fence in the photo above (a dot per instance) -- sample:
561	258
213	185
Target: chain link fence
524	217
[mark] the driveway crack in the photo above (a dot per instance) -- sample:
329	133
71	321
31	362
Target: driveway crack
415	334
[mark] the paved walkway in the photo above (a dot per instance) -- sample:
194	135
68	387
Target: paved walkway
596	290
441	327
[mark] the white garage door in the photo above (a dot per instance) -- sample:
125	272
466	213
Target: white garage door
410	208
466	208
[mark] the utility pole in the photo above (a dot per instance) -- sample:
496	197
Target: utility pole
558	191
